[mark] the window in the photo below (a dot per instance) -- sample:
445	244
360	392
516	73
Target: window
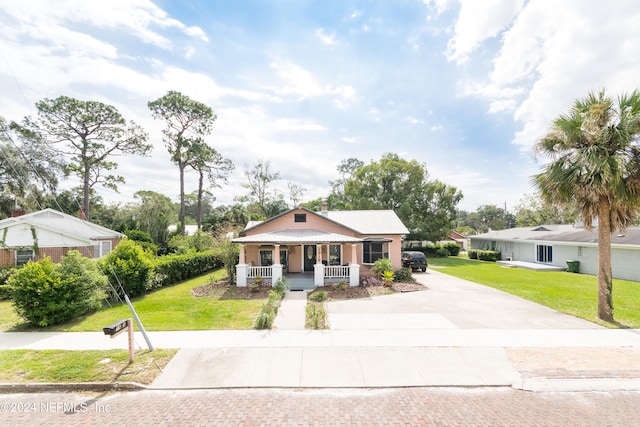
335	257
544	253
101	248
372	251
266	257
23	256
300	218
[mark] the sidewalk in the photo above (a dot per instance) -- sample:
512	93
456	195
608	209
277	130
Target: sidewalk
456	333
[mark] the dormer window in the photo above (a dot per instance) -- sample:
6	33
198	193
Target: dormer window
300	217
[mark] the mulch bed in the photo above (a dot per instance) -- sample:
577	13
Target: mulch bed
222	290
336	293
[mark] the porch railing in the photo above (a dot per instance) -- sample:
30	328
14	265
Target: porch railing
262	271
336	271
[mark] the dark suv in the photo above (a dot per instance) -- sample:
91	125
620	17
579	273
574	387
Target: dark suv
414	260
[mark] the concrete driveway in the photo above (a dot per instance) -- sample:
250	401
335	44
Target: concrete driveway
449	303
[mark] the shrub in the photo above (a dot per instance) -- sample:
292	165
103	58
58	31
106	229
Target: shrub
318	296
453	248
380	266
442	253
370	281
484	255
5	292
341	286
316	316
46	294
269	310
404	275
387	278
129	269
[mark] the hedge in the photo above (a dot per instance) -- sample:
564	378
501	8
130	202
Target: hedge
437	249
484	255
170	269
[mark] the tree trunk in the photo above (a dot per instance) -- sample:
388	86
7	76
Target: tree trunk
183	227
199	207
605	285
86	189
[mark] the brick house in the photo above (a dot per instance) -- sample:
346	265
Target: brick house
33	236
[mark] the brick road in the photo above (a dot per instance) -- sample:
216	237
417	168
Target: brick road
344	407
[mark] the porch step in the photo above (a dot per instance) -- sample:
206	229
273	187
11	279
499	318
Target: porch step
292	311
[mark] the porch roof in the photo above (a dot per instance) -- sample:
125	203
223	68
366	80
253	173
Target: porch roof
298	236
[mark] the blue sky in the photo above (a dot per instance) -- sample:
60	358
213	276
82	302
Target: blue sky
466	87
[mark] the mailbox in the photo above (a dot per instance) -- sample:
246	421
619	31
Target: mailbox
116	327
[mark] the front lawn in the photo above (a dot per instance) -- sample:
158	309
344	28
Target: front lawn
571	293
60	366
172	308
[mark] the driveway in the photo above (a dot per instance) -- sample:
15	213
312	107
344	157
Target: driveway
449	303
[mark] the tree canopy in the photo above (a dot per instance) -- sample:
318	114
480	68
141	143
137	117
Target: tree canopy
87	134
426	207
187	122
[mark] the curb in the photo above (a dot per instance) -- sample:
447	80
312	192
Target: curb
577	385
69	387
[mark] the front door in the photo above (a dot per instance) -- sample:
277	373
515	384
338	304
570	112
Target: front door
309	257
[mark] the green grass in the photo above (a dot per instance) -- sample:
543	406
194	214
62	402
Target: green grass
59	366
168	309
571	293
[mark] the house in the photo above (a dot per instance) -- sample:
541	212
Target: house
557	244
33	236
325	245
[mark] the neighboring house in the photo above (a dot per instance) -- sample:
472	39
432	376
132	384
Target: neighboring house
330	245
460	239
33	236
557	244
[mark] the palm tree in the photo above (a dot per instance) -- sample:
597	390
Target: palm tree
594	165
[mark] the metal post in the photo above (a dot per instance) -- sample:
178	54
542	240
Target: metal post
135	316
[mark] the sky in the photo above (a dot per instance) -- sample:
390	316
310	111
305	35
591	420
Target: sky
465	87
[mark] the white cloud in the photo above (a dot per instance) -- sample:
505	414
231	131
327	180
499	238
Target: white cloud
479	20
350	140
436	128
441	5
328	39
551	54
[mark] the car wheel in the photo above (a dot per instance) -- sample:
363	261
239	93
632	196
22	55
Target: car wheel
424	269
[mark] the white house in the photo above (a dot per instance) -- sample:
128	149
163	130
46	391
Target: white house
557	244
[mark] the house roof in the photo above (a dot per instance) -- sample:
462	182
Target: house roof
566	233
370	222
69	228
365	222
297	236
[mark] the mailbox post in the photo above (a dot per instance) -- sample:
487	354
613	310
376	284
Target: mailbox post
116	328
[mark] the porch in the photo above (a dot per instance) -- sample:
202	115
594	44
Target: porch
322	274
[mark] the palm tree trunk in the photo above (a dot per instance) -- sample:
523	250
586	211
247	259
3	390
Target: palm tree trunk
605	285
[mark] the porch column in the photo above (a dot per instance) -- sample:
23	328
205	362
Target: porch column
354	253
354	274
276	259
318	269
241	261
241	275
276	273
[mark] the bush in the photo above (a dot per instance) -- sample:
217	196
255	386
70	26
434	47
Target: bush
316	316
380	266
484	255
370	281
129	269
46	294
442	253
318	296
5	292
404	275
269	310
453	248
